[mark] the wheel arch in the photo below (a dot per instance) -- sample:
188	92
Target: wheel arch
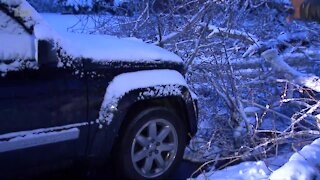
107	138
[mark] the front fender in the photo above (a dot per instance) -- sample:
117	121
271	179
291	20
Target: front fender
150	83
119	99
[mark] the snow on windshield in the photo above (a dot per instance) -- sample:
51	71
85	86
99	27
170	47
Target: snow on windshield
18	43
23	10
17	47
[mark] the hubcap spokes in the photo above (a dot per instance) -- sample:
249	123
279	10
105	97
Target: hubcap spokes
154	148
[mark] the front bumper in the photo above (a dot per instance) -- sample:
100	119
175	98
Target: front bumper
193	113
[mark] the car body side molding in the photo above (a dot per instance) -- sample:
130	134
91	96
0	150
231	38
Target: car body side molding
38	137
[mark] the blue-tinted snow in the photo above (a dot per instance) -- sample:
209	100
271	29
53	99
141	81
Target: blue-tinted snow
303	164
104	48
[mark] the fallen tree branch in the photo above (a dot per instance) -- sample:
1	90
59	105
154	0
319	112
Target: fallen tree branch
309	112
282	39
267	109
307	80
194	20
145	11
232	32
257	149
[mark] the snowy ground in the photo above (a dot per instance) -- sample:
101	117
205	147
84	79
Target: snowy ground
303	164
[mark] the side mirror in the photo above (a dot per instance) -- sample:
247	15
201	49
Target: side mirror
47	55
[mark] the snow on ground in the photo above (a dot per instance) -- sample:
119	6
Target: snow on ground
245	170
303	164
61	23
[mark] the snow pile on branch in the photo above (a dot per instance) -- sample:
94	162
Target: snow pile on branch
232	32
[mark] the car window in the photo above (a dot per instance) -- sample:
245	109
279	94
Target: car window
17	45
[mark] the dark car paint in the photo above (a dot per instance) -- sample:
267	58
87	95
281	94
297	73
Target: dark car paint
50	96
43	98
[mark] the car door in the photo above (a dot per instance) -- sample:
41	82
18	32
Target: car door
43	108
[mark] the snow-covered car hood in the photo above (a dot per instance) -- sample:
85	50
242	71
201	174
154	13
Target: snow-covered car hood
101	48
98	48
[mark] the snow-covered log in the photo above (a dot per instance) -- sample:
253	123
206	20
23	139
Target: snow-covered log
282	39
279	65
232	32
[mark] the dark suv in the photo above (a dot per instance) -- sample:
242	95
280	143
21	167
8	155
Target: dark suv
90	99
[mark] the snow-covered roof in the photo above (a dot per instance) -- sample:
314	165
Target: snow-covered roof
99	48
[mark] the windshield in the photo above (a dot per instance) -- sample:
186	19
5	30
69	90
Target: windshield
17	43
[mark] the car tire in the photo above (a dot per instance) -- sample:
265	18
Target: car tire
152	145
